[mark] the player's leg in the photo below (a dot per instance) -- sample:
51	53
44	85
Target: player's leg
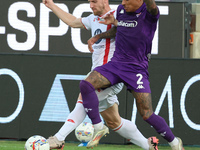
144	106
90	100
124	127
108	107
73	120
91	104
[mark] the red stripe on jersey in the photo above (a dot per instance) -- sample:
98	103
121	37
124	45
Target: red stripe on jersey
105	59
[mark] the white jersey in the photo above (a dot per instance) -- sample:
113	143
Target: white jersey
103	48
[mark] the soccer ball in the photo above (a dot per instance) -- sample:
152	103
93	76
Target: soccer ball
37	142
84	132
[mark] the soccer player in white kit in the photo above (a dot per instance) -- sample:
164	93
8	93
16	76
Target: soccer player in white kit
108	102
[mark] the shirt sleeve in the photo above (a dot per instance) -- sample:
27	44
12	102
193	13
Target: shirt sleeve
154	18
86	22
120	7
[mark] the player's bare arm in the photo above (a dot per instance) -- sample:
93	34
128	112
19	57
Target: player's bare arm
67	18
151	7
111	33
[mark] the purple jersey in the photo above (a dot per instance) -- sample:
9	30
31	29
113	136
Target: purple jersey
135	32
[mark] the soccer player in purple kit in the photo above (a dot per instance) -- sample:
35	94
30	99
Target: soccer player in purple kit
108	101
135	25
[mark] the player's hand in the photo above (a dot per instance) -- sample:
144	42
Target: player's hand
107	19
47	3
91	41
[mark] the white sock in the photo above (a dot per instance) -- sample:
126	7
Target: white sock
174	142
129	130
75	118
98	126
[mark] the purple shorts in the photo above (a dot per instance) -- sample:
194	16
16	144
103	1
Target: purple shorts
134	77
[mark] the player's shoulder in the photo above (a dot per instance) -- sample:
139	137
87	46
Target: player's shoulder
89	18
120	9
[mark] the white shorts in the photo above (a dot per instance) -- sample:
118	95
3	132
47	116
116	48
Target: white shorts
108	96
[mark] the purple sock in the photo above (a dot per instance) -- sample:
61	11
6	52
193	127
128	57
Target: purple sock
161	127
90	101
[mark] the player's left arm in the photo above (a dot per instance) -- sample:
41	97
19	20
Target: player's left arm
151	7
111	33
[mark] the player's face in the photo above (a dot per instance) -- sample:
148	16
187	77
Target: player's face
131	5
97	7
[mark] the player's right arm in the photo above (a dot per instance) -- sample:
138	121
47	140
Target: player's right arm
67	18
111	33
151	7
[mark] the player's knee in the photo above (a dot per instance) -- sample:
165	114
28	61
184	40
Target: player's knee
112	124
86	87
145	117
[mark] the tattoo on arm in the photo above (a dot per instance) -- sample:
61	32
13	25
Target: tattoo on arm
111	33
151	7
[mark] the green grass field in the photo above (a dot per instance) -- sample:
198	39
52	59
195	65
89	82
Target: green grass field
19	145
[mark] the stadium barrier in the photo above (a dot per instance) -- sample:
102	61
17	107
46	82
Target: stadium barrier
39	92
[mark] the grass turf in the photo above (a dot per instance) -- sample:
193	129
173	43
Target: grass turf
19	145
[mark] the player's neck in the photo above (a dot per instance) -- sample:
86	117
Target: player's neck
107	9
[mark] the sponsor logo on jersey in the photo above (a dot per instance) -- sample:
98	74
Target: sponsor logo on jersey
98	46
128	23
98	31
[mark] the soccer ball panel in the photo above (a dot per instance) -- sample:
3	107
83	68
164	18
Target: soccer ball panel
37	142
84	132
